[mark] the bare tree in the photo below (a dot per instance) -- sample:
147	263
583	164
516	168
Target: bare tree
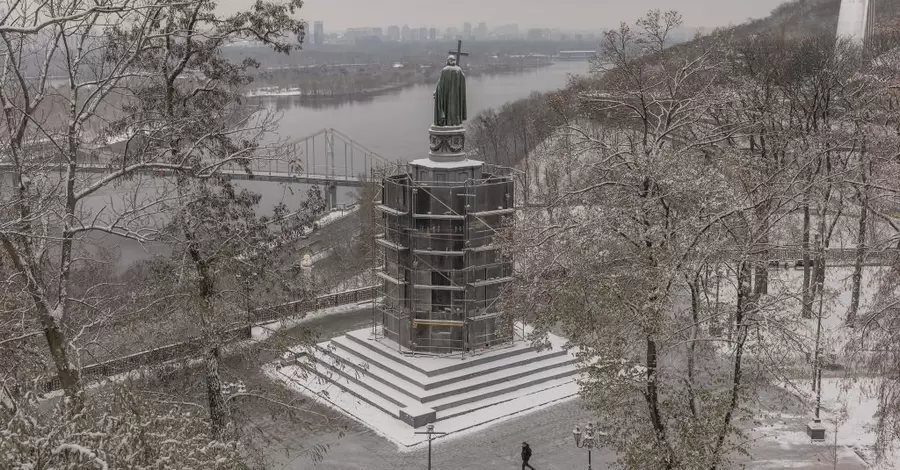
78	77
116	430
643	214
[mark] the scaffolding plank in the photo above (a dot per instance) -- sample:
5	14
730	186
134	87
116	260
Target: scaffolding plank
490	282
486	316
440	216
390	210
390	279
387	244
439	253
418	322
433	287
494	212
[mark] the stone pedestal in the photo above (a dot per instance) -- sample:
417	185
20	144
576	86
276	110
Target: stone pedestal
448	143
816	430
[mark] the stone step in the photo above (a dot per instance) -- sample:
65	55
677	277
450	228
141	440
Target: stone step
519	394
318	373
350	379
484	375
504	375
404	373
502	388
445	364
392	401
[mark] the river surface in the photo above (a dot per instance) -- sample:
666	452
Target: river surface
395	125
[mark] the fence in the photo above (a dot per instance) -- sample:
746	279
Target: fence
194	347
833	256
268	314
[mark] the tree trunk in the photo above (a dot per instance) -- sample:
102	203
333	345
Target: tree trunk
762	268
69	375
746	303
807	261
861	235
219	415
652	397
692	346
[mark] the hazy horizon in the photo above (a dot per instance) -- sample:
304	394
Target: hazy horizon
564	14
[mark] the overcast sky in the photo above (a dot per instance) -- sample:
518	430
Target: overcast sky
567	14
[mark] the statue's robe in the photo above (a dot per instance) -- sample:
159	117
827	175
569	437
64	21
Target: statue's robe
450	97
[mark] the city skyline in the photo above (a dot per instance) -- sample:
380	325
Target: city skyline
593	15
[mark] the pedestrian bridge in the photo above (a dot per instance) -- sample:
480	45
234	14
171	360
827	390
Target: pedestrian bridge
328	158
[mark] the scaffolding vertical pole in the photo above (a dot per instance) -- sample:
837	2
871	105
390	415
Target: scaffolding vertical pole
466	263
413	269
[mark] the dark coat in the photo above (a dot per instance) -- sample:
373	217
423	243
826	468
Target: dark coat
526	453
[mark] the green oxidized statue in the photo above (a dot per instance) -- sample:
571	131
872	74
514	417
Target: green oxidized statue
450	96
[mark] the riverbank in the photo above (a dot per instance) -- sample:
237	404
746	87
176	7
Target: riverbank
412	80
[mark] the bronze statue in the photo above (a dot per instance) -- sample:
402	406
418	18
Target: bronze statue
450	95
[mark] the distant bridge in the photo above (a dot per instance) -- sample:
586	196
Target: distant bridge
328	158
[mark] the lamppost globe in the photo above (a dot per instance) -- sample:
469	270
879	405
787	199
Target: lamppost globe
589	436
585	439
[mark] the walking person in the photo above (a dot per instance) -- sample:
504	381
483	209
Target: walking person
526	455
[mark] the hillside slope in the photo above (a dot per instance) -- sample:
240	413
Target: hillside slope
809	17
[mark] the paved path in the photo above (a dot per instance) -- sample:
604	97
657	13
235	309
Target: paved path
777	437
548	431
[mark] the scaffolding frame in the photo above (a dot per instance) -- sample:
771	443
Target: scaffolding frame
441	274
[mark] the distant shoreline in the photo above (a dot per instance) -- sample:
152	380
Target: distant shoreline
278	92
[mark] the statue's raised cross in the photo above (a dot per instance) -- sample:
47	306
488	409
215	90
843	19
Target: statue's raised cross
459	53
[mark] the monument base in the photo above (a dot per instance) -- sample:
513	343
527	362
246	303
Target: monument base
448	143
816	430
395	393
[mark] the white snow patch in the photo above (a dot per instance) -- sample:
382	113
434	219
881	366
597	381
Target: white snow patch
848	412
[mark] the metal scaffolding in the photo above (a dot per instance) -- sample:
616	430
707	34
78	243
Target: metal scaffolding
442	272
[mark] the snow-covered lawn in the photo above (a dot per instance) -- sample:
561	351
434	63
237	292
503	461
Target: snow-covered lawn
848	413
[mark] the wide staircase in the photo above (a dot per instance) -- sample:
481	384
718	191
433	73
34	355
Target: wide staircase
425	389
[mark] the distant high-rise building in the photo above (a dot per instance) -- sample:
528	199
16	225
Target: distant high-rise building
393	33
318	33
482	30
537	34
423	34
414	34
432	34
378	32
452	33
467	30
508	31
406	34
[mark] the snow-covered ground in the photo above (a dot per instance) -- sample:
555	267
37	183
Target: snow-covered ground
782	310
485	411
848	413
335	215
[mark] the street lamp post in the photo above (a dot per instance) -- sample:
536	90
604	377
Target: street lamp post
430	432
585	441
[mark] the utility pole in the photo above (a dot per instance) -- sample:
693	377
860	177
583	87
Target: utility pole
431	433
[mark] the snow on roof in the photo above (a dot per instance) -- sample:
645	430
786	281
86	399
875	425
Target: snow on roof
436	164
